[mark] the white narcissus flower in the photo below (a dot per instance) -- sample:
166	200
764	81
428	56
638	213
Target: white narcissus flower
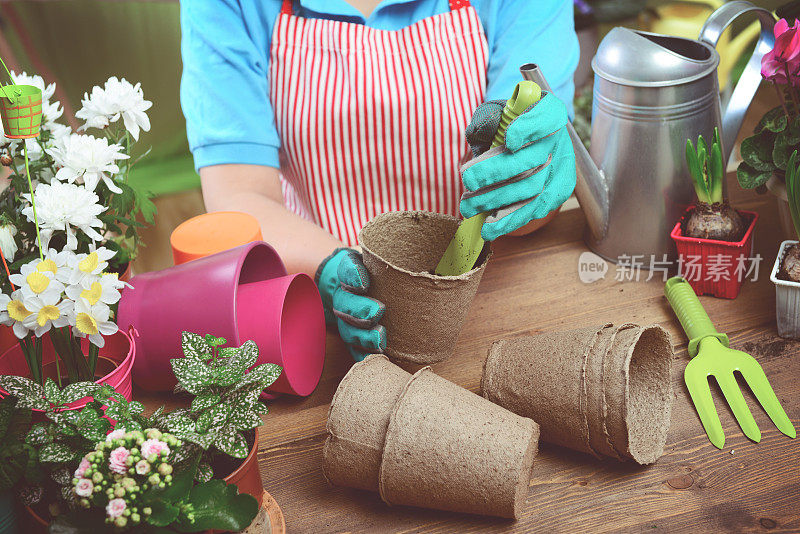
57	263
103	289
7	243
65	207
93	322
87	267
36	279
87	159
46	312
14	313
117	98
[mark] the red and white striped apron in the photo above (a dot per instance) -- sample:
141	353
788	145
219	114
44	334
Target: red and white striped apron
373	120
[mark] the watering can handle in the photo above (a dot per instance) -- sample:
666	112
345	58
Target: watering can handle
690	312
751	77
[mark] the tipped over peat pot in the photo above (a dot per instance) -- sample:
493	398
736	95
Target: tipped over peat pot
714	267
787	297
603	390
424	312
240	294
421	440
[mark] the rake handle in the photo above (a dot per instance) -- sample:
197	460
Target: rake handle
690	312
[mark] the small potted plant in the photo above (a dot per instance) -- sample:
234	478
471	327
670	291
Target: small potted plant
765	154
714	240
786	271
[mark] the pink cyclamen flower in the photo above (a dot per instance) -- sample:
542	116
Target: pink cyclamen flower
115	434
115	508
82	467
117	459
785	55
84	488
154	446
142	467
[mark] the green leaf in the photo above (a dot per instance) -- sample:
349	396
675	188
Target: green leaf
163	513
219	506
192	374
215	417
245	357
782	150
245	396
56	453
204	473
144	205
204	402
178	491
774	121
245	419
213	341
135	407
180	425
265	374
122	203
757	151
232	443
749	178
226	376
39	434
194	346
51	392
28	393
78	390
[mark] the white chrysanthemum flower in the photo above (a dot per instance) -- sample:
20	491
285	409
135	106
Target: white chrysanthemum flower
7	243
93	322
46	312
14	313
96	289
51	111
87	159
87	267
117	98
65	207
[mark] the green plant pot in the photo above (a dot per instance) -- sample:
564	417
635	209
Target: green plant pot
21	110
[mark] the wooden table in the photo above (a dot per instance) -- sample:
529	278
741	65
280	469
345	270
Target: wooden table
532	286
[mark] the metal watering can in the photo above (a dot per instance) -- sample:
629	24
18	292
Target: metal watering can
651	93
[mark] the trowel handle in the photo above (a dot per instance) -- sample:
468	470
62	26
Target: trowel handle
690	312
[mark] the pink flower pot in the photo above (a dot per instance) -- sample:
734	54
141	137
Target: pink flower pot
718	271
115	363
279	312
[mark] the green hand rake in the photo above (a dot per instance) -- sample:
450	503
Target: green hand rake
712	357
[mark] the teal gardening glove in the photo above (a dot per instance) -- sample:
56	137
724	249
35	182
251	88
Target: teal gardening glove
532	174
343	282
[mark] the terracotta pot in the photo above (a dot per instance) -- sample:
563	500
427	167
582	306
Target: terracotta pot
115	362
33	523
247	476
127	273
711	253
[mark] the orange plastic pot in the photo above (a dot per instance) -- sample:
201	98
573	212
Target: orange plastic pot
213	232
247	476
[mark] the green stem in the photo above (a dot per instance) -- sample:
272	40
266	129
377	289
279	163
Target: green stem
94	352
33	202
37	343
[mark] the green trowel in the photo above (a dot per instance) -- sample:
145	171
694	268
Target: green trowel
712	357
467	243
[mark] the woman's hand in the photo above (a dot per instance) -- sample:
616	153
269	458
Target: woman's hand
531	175
343	282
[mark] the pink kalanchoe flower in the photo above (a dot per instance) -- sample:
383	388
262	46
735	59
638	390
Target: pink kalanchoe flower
153	446
115	508
115	434
82	467
84	488
142	467
117	459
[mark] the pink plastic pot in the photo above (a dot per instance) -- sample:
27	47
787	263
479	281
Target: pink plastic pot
115	361
284	317
715	263
202	296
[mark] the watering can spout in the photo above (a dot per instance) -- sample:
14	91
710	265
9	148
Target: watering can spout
591	187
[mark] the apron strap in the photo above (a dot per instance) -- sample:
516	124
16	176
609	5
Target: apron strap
286	9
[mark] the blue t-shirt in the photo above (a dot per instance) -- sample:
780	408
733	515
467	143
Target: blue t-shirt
226	49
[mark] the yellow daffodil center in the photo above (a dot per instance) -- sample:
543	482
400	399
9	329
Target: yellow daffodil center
17	310
89	263
86	324
38	282
93	294
47	265
47	313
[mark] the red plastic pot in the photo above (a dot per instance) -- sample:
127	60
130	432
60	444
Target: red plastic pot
713	267
114	364
7	338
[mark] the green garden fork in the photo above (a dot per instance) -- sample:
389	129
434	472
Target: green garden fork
712	357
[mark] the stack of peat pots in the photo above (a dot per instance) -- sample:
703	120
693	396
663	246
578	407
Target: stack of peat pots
603	390
421	440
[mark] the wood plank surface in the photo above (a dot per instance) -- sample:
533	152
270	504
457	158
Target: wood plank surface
531	286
